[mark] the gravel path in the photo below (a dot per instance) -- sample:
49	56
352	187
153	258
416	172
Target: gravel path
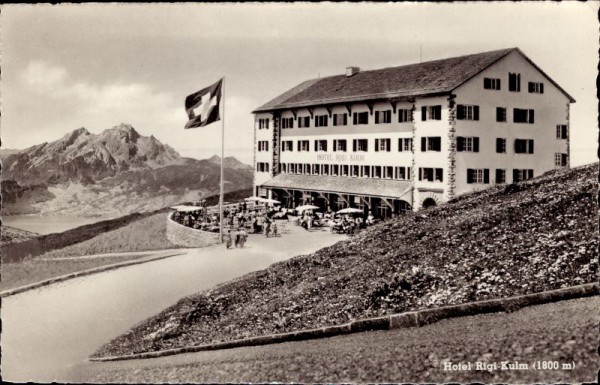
47	331
565	332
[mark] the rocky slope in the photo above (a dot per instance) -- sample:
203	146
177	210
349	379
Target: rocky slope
508	240
113	173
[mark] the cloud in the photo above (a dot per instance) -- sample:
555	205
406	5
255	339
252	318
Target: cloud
40	74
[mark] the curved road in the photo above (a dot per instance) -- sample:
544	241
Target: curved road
48	331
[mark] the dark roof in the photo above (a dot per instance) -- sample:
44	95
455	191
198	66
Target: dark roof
429	78
387	188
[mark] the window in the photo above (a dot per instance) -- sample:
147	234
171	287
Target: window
376	171
361	145
339	145
467	144
523	116
432	143
344	170
491	84
500	145
431	174
325	169
321	121
366	171
520	175
263	145
514	82
303	145
262	166
340	119
383	117
316	169
320	145
299	168
287	145
523	146
561	159
335	170
500	114
383	144
478	175
306	169
284	168
405	144
287	123
388	172
500	176
535	88
360	118
562	131
404	115
355	170
431	113
467	112
303	121
263	124
403	173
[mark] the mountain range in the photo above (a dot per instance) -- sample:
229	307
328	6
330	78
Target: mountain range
113	173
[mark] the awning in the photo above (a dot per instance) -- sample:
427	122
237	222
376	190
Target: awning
385	188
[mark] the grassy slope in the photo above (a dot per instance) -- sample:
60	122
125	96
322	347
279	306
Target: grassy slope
145	234
507	240
14	235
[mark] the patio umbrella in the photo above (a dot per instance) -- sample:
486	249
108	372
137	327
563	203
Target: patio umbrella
350	210
187	209
306	207
270	201
253	199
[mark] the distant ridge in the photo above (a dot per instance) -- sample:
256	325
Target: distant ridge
115	172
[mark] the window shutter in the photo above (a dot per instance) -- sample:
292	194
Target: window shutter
335	145
460	112
400	148
438	144
499	176
541	88
469	176
475	112
316	145
531	87
519	82
460	143
420	174
487	83
498	84
388	146
530	146
376	145
298	145
531	113
515	175
498	145
354	145
529	174
564	131
475	144
377	117
354	118
345	119
498	114
439	172
423	144
424	113
486	175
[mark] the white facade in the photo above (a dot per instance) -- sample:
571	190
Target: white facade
460	134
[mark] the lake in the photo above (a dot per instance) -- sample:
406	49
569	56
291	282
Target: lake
48	224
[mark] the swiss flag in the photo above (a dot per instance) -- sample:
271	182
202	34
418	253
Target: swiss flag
202	107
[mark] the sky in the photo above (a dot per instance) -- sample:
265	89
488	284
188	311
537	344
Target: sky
99	65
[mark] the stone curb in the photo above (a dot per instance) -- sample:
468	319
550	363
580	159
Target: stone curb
82	273
393	321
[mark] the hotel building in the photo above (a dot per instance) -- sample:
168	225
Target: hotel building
412	136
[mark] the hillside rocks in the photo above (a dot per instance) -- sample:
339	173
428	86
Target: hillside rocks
508	240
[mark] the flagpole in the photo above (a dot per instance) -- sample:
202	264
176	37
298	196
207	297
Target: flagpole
222	156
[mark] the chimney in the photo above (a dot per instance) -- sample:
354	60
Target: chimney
350	71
